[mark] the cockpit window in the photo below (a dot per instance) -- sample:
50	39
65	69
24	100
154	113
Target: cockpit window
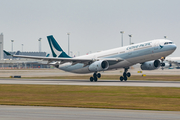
166	43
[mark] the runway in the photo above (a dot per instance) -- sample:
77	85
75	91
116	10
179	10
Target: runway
57	72
88	83
63	113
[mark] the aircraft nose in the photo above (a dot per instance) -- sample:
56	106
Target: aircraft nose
174	47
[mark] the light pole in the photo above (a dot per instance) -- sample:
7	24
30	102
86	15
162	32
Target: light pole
130	39
12	45
71	54
78	53
68	43
121	38
22	47
39	44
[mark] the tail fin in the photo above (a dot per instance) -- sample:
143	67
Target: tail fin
55	48
7	53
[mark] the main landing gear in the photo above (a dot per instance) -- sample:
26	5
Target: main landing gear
95	77
125	75
162	63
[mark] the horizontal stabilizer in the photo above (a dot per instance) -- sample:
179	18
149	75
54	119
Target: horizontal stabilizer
7	53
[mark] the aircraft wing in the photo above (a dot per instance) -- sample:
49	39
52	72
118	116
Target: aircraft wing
64	60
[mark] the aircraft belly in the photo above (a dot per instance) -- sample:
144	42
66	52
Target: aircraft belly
77	68
82	70
122	64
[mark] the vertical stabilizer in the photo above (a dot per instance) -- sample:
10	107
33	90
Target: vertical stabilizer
55	48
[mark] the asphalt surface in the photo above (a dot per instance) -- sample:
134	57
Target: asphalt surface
62	113
87	82
57	72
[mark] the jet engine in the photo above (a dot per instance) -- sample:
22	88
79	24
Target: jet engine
151	65
99	66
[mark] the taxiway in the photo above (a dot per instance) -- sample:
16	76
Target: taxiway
61	113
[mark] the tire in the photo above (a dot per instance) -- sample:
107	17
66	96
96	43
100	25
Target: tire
125	78
99	75
124	74
121	78
94	75
91	79
128	74
95	79
162	64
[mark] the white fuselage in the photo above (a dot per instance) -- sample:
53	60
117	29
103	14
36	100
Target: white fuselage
132	54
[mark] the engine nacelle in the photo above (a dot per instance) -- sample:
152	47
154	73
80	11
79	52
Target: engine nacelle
99	66
151	65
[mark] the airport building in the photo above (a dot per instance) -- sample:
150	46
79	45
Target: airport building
1	47
9	61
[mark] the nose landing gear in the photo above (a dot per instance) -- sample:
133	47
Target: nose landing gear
95	77
125	75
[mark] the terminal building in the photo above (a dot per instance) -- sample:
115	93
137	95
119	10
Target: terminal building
9	61
1	47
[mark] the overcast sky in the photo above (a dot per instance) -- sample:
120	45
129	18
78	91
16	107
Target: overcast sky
94	25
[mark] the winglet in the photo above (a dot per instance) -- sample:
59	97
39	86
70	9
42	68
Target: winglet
7	53
47	55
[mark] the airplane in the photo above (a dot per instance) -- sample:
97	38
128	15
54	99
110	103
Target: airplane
148	54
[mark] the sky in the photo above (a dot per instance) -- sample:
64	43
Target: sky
94	25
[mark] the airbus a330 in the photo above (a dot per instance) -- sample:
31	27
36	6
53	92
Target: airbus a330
148	54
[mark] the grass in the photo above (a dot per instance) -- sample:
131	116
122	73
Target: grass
116	77
141	98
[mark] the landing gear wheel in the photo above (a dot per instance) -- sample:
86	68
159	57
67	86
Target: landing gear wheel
99	75
121	78
162	64
124	74
91	79
125	78
128	74
95	79
94	75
